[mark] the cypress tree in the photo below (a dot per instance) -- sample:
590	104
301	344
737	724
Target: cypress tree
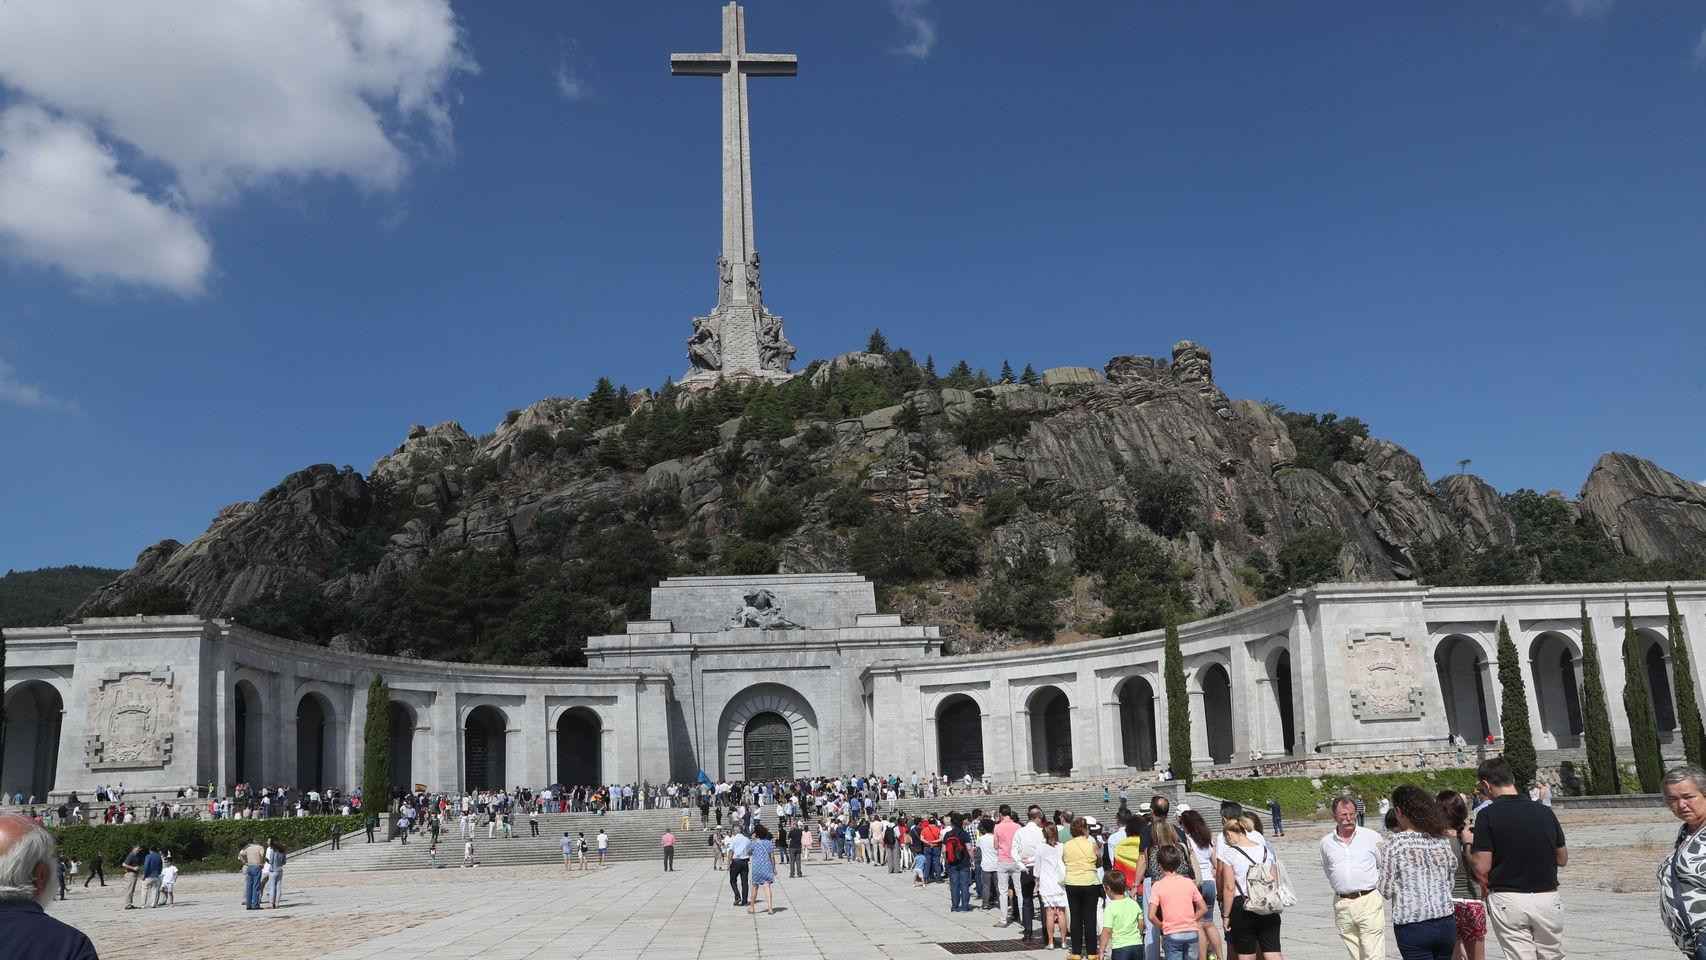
1178	707
1596	717
1513	711
1638	705
1687	707
376	756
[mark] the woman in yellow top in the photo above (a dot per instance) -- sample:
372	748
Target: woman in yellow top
1083	890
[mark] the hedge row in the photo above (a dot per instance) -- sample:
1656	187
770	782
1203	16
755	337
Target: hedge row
1300	799
197	845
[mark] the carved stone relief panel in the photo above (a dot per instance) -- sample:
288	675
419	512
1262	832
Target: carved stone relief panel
131	720
1380	673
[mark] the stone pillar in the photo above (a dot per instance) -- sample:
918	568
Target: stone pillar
1199	731
1162	732
1239	675
1112	736
447	742
535	741
225	730
1076	720
354	736
1269	733
285	704
1304	657
1019	747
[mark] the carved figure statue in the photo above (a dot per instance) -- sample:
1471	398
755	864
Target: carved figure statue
774	350
754	287
760	609
725	281
705	346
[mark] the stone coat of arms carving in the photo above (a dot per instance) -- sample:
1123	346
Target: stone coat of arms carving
1381	673
131	720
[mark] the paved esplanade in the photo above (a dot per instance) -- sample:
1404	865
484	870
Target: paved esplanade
739	336
836	912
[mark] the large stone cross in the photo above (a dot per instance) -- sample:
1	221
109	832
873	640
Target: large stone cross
739	323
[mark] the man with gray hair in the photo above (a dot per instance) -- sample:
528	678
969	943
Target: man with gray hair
28	874
1349	858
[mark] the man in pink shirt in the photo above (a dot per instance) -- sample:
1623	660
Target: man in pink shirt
1006	865
668	850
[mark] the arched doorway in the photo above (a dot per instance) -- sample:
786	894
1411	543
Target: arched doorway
402	718
769	748
1279	703
1657	662
1051	732
33	712
1462	669
1217	712
959	737
579	738
316	743
748	708
484	740
1137	723
1552	664
247	740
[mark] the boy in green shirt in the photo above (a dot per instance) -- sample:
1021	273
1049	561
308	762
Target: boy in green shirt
1122	921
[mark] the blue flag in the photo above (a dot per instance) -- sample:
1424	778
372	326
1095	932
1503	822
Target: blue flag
705	780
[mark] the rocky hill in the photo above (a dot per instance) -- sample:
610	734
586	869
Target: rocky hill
47	596
1071	503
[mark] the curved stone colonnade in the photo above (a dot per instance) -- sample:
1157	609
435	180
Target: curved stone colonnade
787	676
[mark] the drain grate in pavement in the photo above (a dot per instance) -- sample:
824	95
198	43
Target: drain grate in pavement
987	946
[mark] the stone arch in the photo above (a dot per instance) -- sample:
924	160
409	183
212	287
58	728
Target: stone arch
485	748
1554	662
318	763
1461	666
248	733
1215	682
1655	654
1279	720
1136	698
754	702
580	747
402	720
34	714
1050	711
959	736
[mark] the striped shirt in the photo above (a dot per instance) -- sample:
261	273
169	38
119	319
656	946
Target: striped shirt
1416	871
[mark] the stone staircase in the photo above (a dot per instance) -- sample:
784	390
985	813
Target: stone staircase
634	835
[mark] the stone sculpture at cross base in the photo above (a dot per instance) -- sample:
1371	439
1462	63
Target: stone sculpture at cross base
739	339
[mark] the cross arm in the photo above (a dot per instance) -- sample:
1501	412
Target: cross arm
698	64
769	64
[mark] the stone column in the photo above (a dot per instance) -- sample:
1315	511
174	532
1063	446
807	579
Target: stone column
225	729
285	704
1162	733
1023	749
535	741
1269	735
1239	657
1609	634
1199	731
447	741
1304	657
1112	736
354	736
1075	721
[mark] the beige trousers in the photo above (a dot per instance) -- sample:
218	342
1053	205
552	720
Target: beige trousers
1362	926
1529	926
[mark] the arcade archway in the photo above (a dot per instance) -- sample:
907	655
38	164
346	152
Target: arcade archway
33	712
959	737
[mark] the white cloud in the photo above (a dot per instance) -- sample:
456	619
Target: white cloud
224	97
1700	48
64	204
1586	9
569	84
919	26
24	394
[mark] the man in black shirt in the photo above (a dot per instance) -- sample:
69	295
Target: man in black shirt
796	850
96	871
133	868
1518	849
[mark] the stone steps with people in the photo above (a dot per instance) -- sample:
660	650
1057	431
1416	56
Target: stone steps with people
635	834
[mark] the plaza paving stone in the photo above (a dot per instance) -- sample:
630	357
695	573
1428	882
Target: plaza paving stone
841	911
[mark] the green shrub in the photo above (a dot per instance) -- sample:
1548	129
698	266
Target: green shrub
149	600
1307	558
1254	521
745	558
535	442
1020	598
1299	799
769	516
1165	502
1322	439
1002	505
198	845
847	506
981	425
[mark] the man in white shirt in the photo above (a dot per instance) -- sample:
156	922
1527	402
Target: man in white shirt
1349	858
1025	845
603	845
739	848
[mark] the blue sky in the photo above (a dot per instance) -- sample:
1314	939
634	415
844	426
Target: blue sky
1477	226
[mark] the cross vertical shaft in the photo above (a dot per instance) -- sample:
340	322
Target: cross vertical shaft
740	311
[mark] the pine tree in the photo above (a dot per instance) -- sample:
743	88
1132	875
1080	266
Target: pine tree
1513	711
878	343
1030	377
1006	372
1596	717
1638	706
930	367
1178	707
1687	707
376	755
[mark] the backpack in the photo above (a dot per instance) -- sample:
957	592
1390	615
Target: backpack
1267	891
954	849
888	836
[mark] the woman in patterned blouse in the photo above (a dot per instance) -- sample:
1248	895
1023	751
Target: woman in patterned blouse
1416	869
1682	875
